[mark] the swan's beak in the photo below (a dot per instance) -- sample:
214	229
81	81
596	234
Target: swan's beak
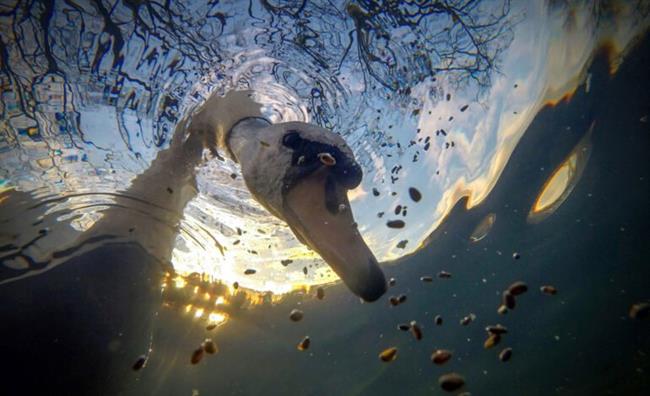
318	211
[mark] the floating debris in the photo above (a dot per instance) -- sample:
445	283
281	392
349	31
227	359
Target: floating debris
451	382
508	300
388	355
402	244
415	194
401	298
209	346
426	279
296	315
502	310
395	224
496	329
416	330
640	310
304	344
440	356
197	355
444	275
548	289
467	319
505	354
516	256
392	282
438	320
249	271
492	340
286	262
142	359
404	326
518	288
320	293
211	326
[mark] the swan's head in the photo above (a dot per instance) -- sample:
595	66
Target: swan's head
302	174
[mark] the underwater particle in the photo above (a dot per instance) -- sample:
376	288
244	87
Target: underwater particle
304	344
398	209
375	192
320	293
393	301
404	326
249	271
426	279
640	310
518	288
440	356
264	144
505	354
502	310
342	208
233	176
388	354
392	282
235	285
296	315
395	224
305	270
401	298
209	346
402	244
462	109
492	340
415	194
416	330
211	326
508	300
438	320
483	228
444	275
496	329
548	289
448	97
380	214
516	256
466	320
451	381
197	355
286	262
169	190
142	359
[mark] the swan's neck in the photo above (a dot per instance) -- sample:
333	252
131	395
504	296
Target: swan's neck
245	140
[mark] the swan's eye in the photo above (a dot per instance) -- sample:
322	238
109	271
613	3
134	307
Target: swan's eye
292	140
327	159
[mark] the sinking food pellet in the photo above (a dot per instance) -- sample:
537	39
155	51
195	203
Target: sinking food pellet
142	359
440	356
388	355
451	381
505	354
296	315
197	355
304	344
518	288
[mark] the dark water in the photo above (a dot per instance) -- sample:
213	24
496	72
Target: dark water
78	328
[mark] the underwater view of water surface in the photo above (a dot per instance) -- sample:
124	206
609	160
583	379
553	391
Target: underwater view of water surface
324	197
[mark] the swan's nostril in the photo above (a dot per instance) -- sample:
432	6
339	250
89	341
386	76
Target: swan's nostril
327	159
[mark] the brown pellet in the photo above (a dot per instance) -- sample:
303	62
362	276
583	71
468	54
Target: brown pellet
416	330
444	275
395	224
392	282
505	354
304	344
197	355
438	320
404	326
518	288
508	300
388	355
467	319
415	194
142	359
640	310
502	310
548	289
209	346
249	271
211	326
496	329
320	293
440	356
295	315
451	381
401	298
426	279
393	301
492	340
